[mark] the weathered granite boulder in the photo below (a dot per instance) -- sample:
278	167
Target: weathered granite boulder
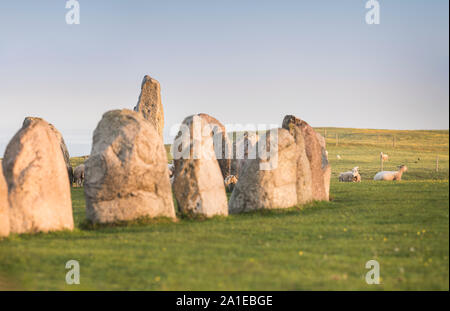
222	146
270	188
326	167
198	183
316	153
304	177
126	175
244	148
149	103
4	206
37	179
62	145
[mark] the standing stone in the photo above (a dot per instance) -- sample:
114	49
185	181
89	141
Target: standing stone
4	206
149	103
198	184
62	145
267	189
221	143
316	153
304	178
37	179
243	149
326	167
126	175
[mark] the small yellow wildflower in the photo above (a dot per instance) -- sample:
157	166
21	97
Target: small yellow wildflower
157	278
300	253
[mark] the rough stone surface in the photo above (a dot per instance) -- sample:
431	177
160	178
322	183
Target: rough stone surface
62	145
222	146
326	167
149	103
268	189
304	178
126	175
198	184
37	179
316	153
241	149
4	206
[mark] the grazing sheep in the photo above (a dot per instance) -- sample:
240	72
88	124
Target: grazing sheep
351	176
78	175
171	169
384	156
391	175
230	181
357	177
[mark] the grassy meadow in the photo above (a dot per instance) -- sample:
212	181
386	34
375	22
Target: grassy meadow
321	246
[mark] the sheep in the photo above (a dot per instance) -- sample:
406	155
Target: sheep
391	175
357	177
384	157
338	157
230	181
78	175
351	176
171	169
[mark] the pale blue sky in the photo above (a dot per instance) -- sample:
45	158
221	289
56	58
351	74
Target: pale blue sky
240	61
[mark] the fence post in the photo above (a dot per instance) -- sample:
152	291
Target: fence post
393	141
337	139
437	163
325	133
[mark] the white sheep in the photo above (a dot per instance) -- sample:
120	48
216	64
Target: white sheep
391	175
78	175
338	157
230	181
171	169
384	157
351	176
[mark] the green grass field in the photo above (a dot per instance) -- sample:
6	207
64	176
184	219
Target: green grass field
322	246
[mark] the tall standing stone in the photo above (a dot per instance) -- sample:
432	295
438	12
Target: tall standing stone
222	147
4	206
198	184
270	188
243	148
316	153
37	179
304	175
62	145
126	175
149	103
326	167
